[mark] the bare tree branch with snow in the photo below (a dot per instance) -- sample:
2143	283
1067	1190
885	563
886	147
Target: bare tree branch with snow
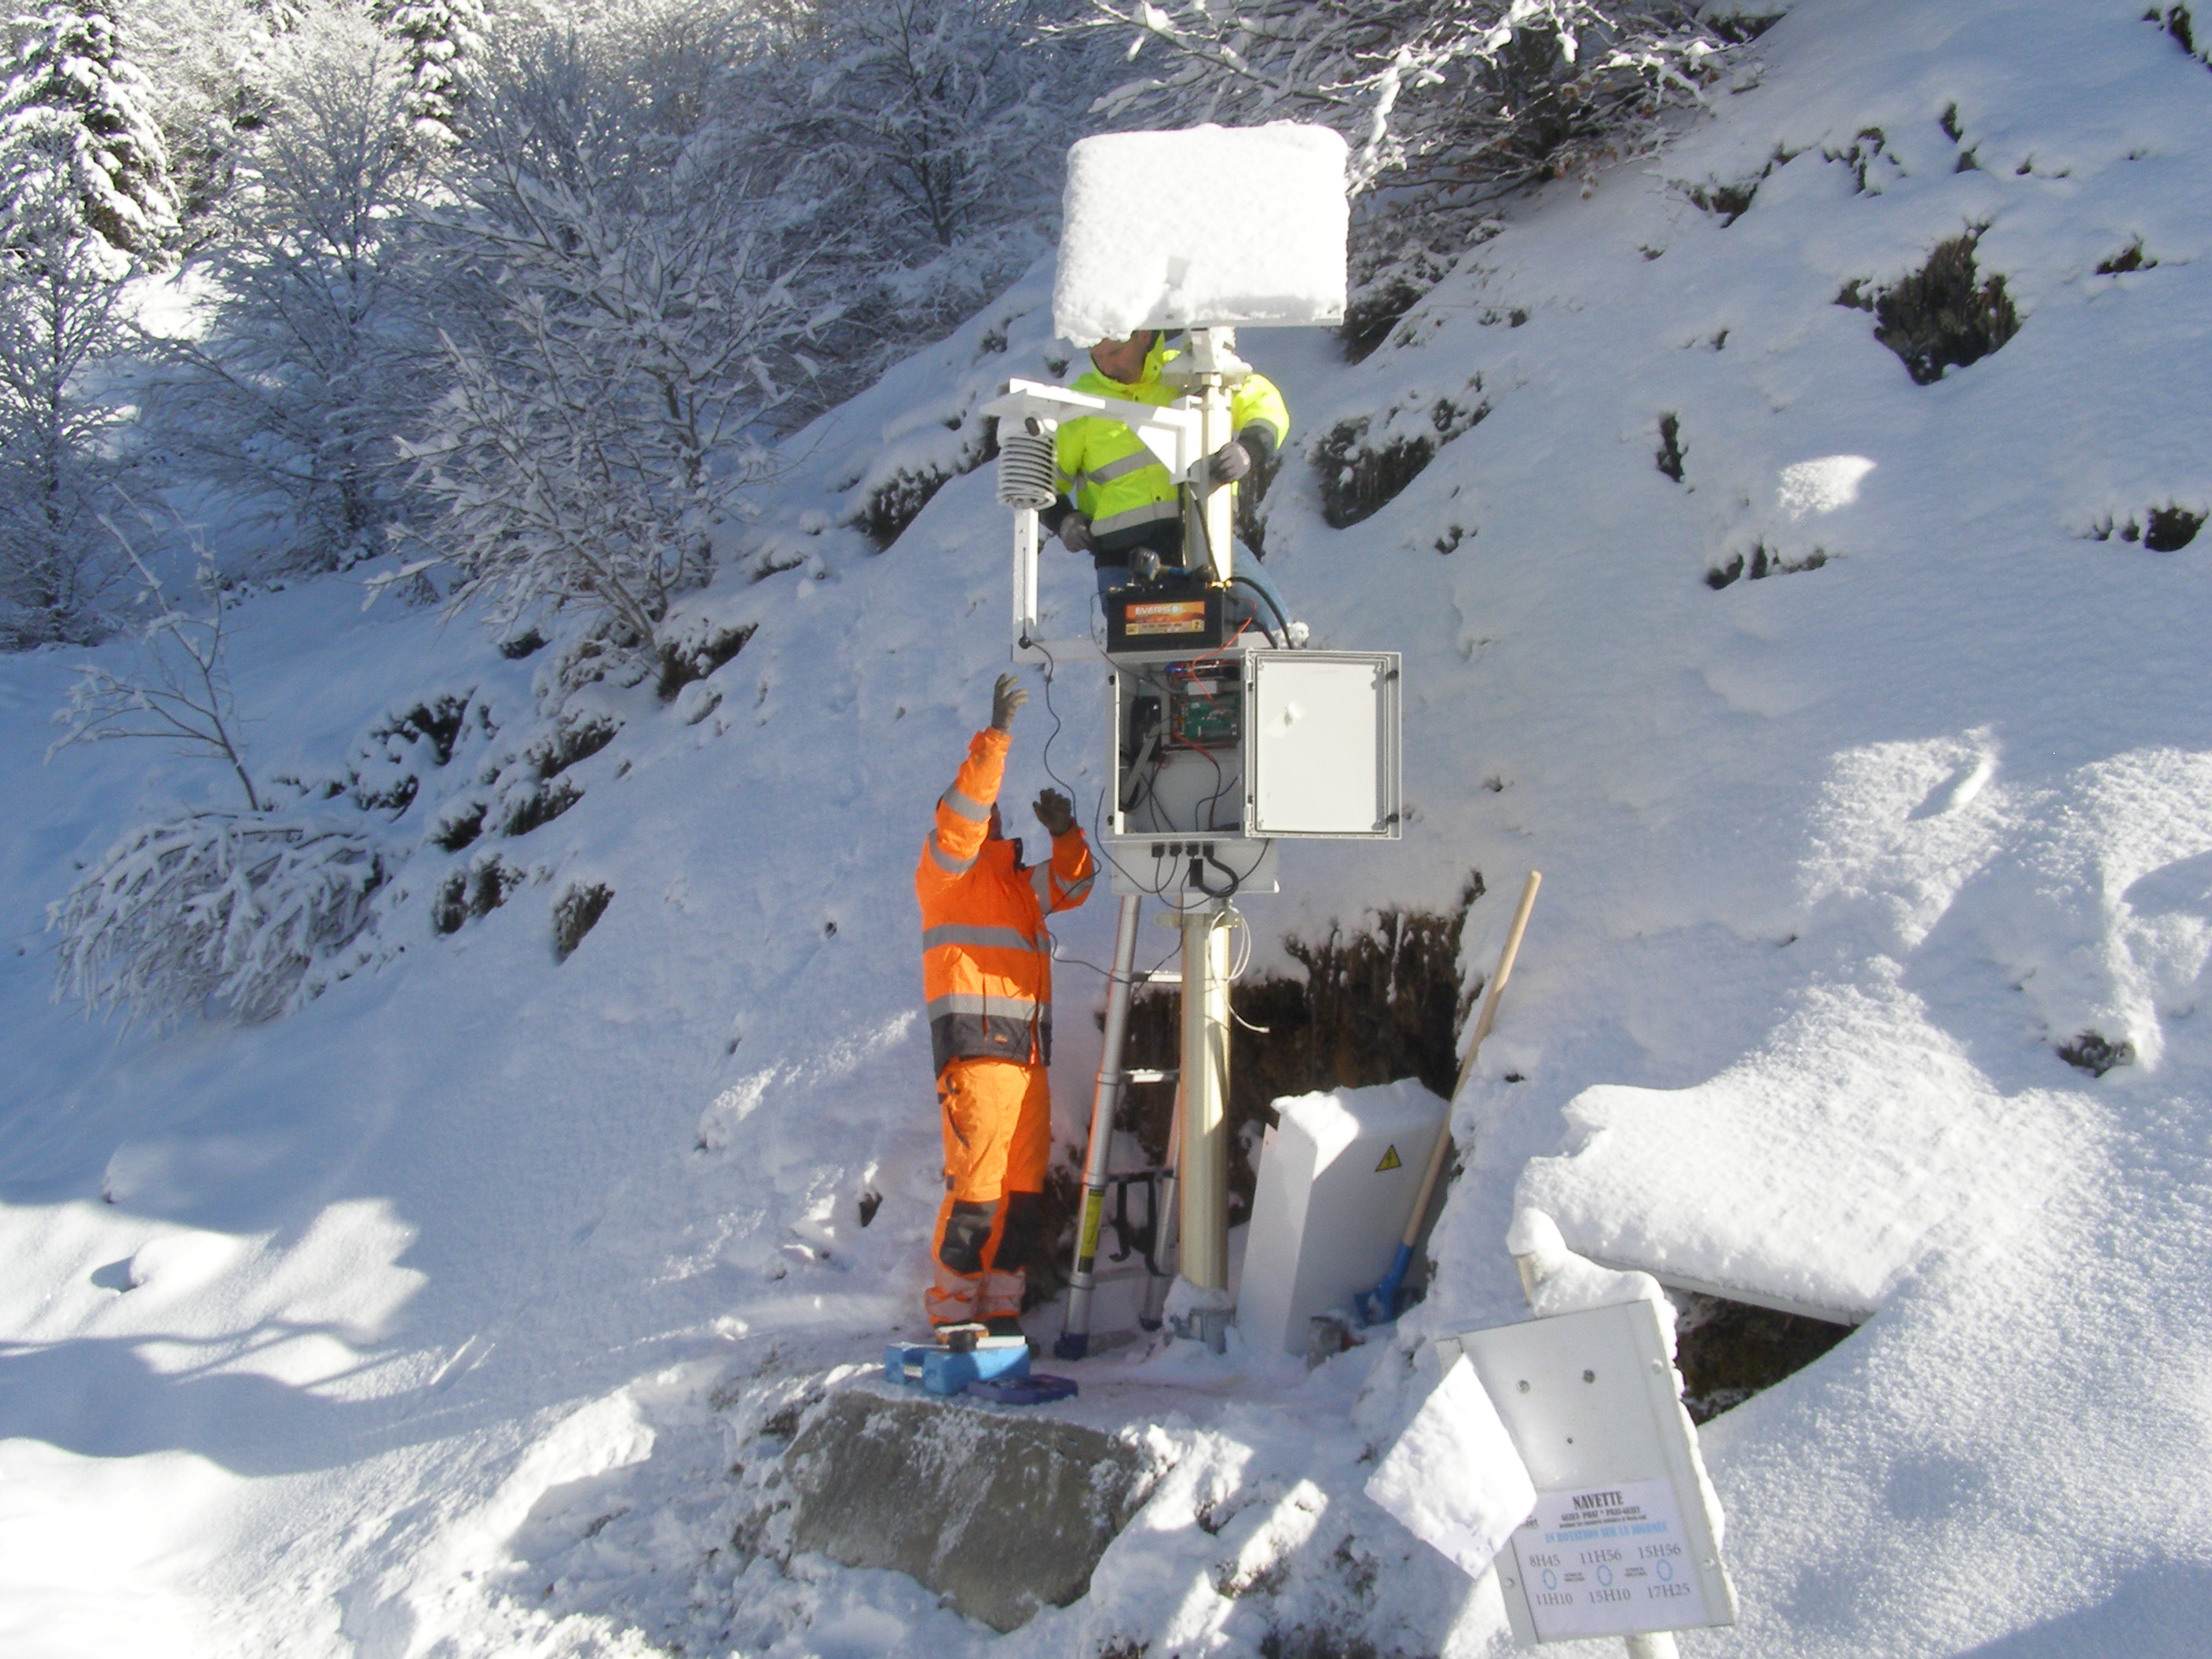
177	694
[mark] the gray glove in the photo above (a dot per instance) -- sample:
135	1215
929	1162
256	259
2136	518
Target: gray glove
1007	698
1228	463
1055	812
1075	533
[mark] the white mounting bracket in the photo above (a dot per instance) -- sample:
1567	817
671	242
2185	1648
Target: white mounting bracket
1180	435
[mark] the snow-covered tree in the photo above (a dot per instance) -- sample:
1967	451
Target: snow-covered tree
935	108
1469	93
316	355
640	319
1448	104
176	693
440	40
59	467
922	138
75	124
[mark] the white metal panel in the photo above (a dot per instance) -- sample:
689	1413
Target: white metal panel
1594	1406
1338	1176
1321	737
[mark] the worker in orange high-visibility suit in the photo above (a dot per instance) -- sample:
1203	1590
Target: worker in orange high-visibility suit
987	974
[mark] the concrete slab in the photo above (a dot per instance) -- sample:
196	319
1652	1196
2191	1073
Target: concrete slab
1002	1510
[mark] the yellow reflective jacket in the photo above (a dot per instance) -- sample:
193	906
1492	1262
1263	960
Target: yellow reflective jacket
1115	482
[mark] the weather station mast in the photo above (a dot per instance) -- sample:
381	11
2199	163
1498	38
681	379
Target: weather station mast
1223	738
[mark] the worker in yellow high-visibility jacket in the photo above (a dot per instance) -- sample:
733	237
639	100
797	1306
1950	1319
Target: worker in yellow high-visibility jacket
1115	497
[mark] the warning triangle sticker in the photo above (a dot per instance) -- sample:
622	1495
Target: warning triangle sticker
1390	1161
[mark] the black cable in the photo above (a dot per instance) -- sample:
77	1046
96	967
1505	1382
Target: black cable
1285	642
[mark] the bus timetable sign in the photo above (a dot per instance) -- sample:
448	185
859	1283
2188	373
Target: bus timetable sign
1607	1562
1622	1540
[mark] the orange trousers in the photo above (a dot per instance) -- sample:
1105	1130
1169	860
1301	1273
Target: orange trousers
998	1139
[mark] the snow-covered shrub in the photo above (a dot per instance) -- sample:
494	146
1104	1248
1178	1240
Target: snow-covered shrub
642	319
576	913
230	913
1363	464
316	356
1937	317
2165	529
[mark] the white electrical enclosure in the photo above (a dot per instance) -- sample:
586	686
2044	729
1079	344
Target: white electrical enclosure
1323	744
1213	758
1625	1535
1338	1176
1210	226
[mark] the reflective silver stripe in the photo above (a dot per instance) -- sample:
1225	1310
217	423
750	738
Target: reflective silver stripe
974	1002
947	862
1041	884
964	806
1080	888
1000	939
1151	513
1122	468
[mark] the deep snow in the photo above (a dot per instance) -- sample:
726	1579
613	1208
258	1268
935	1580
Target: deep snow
453	1300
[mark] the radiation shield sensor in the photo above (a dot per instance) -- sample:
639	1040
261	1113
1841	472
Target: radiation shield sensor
1625	1535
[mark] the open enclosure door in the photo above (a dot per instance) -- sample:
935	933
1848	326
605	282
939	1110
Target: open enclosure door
1323	744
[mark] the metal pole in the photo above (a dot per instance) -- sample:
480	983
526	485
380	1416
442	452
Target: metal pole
1209	368
1167	1215
1204	1165
1105	1104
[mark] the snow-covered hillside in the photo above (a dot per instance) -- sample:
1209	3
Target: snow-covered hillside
1862	734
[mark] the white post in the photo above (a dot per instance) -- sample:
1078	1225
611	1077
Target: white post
1025	576
1203	1168
1654	1644
1207	370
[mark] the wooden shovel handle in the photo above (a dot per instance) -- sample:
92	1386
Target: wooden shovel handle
1482	1025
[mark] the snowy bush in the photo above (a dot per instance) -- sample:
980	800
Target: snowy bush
1938	317
215	912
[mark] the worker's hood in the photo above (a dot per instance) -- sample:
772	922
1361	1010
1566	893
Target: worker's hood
1155	360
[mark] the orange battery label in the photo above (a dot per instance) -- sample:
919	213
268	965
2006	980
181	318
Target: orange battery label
1164	616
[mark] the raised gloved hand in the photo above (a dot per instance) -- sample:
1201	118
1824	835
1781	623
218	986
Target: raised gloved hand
1228	463
1075	533
1006	697
1055	812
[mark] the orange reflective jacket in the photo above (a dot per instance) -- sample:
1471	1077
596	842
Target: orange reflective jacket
986	959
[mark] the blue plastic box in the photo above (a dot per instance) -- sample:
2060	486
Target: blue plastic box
941	1371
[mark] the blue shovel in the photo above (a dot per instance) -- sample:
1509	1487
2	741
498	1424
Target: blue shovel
1380	1304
